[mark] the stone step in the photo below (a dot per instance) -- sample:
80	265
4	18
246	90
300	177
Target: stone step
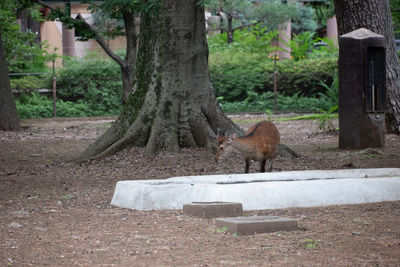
257	224
207	210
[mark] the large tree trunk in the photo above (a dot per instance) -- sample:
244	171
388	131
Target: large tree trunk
9	120
173	103
375	15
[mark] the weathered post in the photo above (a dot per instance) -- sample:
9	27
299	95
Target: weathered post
362	89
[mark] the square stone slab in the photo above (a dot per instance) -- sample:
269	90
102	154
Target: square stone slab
257	224
213	209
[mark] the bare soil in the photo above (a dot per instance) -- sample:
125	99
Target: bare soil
56	213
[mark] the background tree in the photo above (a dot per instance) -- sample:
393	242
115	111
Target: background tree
9	119
303	19
375	15
14	47
21	49
240	14
113	9
173	103
323	10
234	14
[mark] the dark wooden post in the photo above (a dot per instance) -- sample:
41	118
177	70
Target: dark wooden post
362	90
54	89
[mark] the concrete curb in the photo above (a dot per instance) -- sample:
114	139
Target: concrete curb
263	190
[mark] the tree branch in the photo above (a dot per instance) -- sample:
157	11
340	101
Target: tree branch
246	26
100	40
223	29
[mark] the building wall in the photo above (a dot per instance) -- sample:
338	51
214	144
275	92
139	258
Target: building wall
51	33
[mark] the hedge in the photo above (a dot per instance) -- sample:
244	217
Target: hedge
234	79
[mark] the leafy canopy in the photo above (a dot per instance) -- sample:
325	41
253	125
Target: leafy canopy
106	10
21	52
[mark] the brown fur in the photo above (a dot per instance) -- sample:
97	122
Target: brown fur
260	143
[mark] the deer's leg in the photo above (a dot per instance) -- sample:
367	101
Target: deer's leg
247	167
262	165
270	165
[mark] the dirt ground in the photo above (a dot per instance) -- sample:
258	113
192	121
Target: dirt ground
57	213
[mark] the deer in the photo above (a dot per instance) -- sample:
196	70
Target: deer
259	143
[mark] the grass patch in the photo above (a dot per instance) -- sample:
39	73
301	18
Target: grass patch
316	116
308	243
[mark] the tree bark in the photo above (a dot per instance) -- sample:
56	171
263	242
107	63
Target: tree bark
173	103
128	68
375	15
229	31
9	120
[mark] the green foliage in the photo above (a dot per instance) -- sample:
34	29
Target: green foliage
273	13
331	95
93	81
303	19
245	66
300	45
265	102
234	75
239	10
395	7
233	80
22	54
268	15
39	106
324	10
308	243
29	83
34	106
110	9
329	49
255	40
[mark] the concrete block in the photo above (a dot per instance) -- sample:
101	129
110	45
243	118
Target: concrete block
257	191
213	209
257	224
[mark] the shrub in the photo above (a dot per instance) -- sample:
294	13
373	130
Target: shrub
265	101
34	106
94	81
30	83
39	106
235	75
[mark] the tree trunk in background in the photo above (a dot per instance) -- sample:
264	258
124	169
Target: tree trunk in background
128	68
230	31
9	120
376	16
27	23
173	103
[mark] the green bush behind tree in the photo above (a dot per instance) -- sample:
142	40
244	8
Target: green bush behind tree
242	76
85	87
235	79
246	66
94	81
